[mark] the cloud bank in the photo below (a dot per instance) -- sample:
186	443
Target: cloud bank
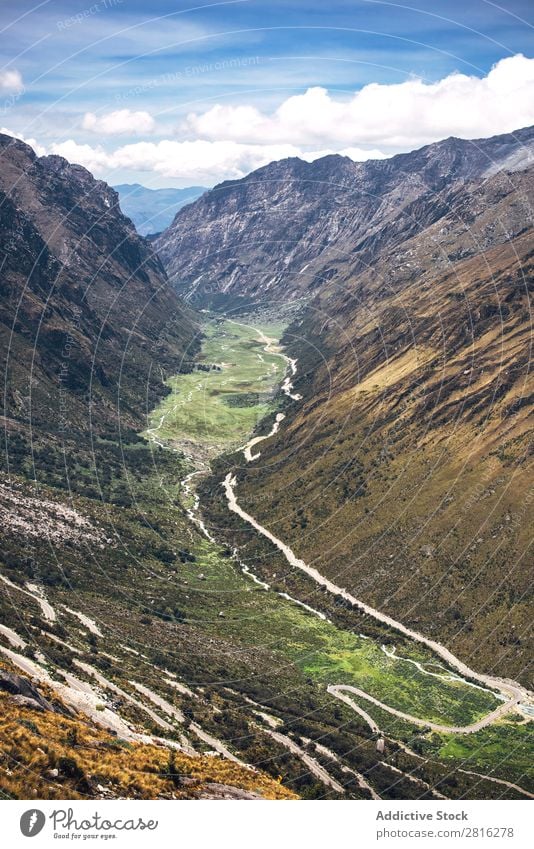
227	142
11	82
187	162
198	161
121	122
391	116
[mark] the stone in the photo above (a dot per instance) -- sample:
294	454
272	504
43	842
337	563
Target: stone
23	691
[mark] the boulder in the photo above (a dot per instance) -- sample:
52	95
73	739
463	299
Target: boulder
23	691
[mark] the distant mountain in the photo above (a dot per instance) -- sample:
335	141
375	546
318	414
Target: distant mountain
270	233
85	304
152	210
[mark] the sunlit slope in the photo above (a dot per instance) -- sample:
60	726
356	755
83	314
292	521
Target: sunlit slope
52	755
404	474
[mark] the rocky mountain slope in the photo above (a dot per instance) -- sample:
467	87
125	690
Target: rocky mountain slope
412	450
50	751
411	445
86	308
269	234
152	210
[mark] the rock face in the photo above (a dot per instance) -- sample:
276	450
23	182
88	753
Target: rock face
269	235
23	692
85	306
224	791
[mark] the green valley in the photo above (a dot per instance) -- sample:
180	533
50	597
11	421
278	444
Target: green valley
228	393
266	482
244	602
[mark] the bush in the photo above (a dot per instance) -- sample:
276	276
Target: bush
70	768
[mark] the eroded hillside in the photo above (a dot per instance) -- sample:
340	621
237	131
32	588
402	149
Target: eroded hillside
86	307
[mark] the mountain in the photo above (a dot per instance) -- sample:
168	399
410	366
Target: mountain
116	679
85	303
152	645
270	233
152	210
401	472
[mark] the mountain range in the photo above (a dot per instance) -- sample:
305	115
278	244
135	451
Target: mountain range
152	643
152	210
272	233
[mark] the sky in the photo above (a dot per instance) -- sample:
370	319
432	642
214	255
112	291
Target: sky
193	93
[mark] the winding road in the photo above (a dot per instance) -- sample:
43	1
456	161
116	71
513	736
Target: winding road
247	449
272	347
513	692
336	689
35	592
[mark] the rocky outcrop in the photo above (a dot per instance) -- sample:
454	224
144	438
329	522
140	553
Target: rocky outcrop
24	694
272	234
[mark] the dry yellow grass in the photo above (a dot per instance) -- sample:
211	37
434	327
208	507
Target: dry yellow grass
390	373
91	763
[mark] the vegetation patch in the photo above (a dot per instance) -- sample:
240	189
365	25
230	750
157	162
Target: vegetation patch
222	406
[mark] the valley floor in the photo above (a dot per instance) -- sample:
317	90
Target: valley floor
437	691
159	631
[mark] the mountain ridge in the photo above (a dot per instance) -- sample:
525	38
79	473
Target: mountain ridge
86	296
252	235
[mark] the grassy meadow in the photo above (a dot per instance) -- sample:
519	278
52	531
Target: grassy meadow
222	405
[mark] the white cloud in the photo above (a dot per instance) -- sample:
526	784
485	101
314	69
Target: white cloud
188	161
397	116
184	162
359	154
119	122
228	142
11	82
95	159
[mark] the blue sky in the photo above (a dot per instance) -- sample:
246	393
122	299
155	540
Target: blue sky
187	92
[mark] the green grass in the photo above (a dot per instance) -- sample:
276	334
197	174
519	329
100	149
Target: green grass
504	748
317	648
197	410
203	409
351	659
202	405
